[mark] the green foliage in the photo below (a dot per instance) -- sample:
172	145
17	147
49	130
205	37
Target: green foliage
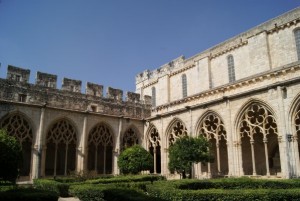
87	192
226	190
28	194
135	159
61	189
127	178
10	157
186	151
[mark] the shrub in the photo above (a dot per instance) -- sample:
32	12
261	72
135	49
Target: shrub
135	159
28	194
87	192
10	157
127	178
61	189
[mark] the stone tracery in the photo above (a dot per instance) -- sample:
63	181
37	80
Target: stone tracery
258	129
213	129
17	126
178	130
100	143
130	138
61	139
154	144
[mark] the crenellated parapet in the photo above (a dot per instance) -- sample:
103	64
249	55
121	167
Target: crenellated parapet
69	97
167	68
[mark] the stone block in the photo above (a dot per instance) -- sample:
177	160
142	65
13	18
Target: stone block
18	74
46	80
116	94
71	85
132	97
94	89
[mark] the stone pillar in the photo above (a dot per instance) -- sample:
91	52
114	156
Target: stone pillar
282	132
37	157
266	155
82	148
117	149
253	157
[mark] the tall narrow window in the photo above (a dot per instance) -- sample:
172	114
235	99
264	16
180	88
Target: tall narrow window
153	97
184	85
231	73
297	40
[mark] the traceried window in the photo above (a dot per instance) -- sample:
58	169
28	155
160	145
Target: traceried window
61	148
100	149
178	130
184	85
154	143
153	97
130	138
17	126
297	40
231	71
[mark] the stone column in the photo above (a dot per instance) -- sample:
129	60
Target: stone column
253	157
154	158
37	160
82	148
266	155
117	148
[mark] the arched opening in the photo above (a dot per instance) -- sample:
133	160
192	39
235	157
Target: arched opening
154	143
17	126
258	132
130	138
212	128
100	149
61	148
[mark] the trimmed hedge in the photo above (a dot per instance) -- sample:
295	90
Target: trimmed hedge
171	191
87	192
62	189
128	178
28	194
237	183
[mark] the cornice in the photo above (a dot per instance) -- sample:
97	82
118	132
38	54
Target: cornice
231	86
283	26
182	70
228	49
149	84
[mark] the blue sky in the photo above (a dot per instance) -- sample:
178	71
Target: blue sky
108	42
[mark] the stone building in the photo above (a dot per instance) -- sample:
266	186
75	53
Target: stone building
243	95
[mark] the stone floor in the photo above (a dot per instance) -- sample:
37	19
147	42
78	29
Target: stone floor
68	199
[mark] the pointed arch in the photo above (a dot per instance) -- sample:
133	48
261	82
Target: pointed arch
211	127
100	148
176	129
19	126
257	130
154	146
130	137
61	142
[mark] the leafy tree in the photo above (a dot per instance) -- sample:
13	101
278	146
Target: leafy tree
10	157
135	159
186	151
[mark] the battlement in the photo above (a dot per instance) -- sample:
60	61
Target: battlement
17	88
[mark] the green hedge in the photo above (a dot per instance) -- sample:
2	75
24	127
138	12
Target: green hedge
87	192
170	191
28	194
240	183
62	189
128	178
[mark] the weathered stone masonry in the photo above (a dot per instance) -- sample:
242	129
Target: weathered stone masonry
243	95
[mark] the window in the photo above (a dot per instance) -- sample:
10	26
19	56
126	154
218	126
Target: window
231	73
297	40
184	85
18	78
22	97
93	108
153	97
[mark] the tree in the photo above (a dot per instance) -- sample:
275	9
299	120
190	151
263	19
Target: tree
10	157
186	151
135	159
